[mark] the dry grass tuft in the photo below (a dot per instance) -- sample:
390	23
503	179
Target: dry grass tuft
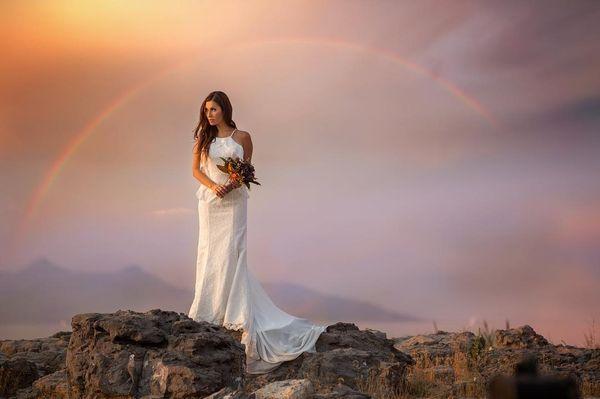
592	338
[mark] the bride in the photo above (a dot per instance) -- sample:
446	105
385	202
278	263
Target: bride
226	291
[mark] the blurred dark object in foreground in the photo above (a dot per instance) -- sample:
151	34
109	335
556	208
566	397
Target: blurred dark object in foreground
527	384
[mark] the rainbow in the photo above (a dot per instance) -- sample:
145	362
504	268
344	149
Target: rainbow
71	148
466	99
119	101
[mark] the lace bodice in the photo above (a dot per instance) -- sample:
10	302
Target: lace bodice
220	147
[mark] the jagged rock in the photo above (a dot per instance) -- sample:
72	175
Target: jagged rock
23	361
354	367
463	362
176	357
286	389
519	338
380	334
439	348
228	393
27	393
173	356
358	359
341	391
16	374
26	360
55	343
53	385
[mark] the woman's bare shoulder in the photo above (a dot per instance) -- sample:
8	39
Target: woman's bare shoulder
244	137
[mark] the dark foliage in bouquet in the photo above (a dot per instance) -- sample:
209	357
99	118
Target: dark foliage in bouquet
238	170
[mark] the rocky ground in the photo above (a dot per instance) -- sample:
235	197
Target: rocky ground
461	365
162	354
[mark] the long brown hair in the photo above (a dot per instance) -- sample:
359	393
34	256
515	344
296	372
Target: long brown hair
204	133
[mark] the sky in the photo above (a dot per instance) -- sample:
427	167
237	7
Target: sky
435	158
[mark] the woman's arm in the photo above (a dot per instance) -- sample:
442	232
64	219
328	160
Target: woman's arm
196	172
246	140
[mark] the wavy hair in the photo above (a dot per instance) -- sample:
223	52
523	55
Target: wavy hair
204	132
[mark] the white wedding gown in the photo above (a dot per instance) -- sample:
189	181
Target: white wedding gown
226	291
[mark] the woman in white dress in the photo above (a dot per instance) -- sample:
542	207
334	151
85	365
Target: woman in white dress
226	292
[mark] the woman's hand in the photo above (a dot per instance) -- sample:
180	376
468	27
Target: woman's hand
232	185
219	189
222	189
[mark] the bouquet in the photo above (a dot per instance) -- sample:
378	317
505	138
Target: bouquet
239	171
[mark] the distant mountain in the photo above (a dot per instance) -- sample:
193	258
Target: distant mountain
43	292
302	300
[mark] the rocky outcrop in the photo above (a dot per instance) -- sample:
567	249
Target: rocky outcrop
287	389
24	361
463	363
359	360
168	355
159	353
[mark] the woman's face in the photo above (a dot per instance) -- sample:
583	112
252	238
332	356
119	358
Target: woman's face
213	112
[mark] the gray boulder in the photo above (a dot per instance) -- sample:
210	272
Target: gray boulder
156	354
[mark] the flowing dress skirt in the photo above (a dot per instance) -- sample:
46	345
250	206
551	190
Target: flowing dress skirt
228	294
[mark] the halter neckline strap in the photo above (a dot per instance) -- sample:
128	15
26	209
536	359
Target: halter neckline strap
226	137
